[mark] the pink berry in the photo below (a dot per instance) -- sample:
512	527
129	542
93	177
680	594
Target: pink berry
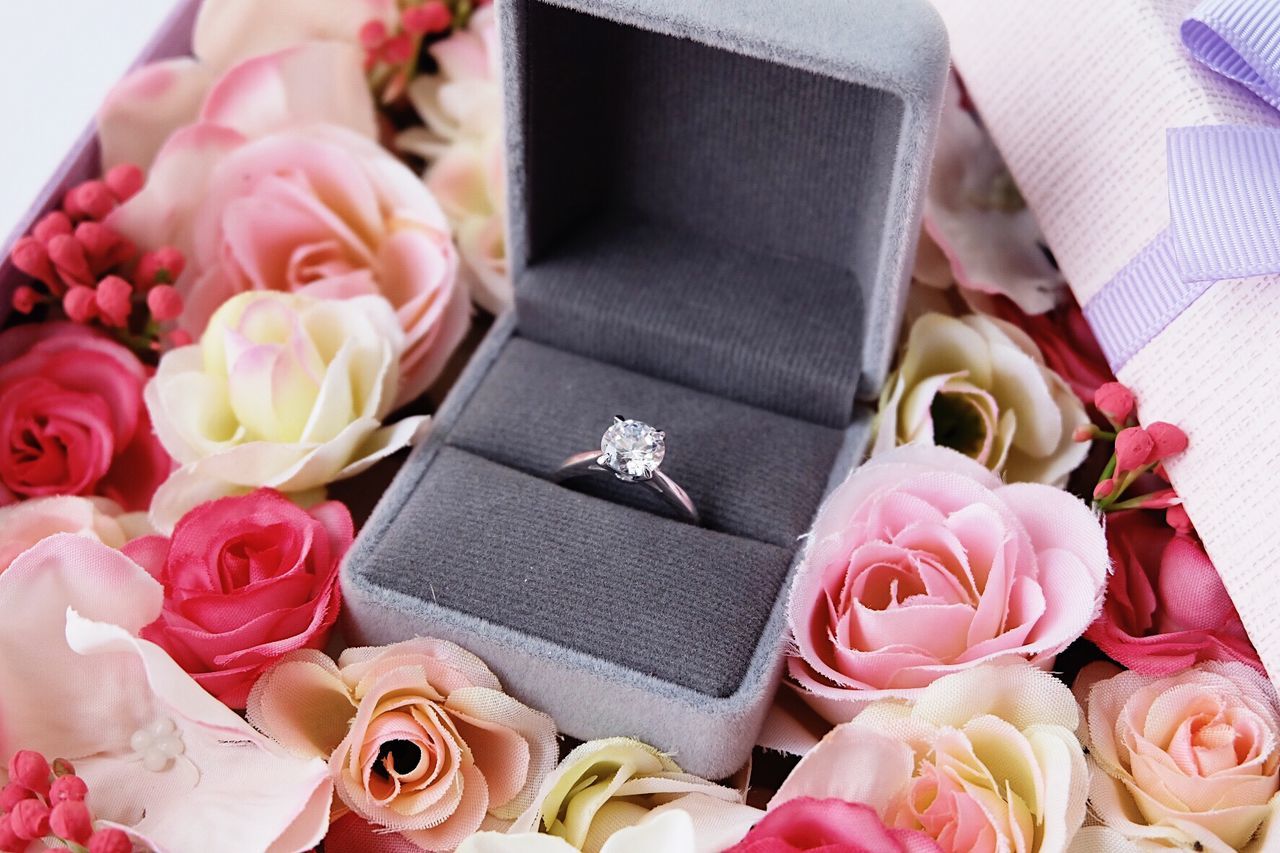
29	819
431	17
30	768
110	840
68	788
373	34
164	302
71	820
124	181
80	304
14	793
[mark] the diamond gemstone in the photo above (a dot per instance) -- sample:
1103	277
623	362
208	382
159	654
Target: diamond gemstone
632	449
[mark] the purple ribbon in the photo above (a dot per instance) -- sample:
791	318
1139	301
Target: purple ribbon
1224	189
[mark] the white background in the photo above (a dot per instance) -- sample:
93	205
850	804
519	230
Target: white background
58	58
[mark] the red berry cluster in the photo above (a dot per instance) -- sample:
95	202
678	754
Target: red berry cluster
93	272
43	801
391	53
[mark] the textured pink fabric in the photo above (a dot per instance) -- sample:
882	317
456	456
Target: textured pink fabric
1078	96
829	826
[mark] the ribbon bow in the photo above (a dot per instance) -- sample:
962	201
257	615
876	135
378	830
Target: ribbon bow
1224	188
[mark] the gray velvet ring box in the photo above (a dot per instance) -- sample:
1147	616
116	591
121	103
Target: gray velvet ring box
713	214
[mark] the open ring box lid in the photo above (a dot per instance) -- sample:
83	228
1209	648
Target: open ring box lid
713	213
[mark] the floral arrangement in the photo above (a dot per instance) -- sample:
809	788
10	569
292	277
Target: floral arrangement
1006	635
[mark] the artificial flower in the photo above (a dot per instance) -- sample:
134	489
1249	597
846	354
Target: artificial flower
1190	760
831	825
979	385
1065	340
984	760
278	188
463	144
24	524
1166	607
282	390
419	736
164	760
923	563
142	110
72	420
605	785
247	580
670	831
976	216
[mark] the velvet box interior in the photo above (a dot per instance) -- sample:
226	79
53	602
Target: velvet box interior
713	212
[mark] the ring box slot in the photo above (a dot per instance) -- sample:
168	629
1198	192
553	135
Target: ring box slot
713	209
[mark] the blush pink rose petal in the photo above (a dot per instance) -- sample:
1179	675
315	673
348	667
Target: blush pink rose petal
24	524
923	563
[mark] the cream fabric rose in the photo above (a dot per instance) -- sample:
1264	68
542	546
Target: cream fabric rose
282	391
669	831
463	144
985	761
605	785
979	385
24	524
1186	761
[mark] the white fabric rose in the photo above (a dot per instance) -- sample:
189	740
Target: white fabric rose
980	386
283	391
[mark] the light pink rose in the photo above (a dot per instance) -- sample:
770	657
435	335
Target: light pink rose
24	524
923	563
280	185
1190	760
419	736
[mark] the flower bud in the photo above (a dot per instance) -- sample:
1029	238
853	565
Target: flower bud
80	304
12	794
1104	488
180	338
9	840
103	246
30	768
164	302
110	840
1084	432
71	820
1169	440
161	266
30	256
1177	518
69	787
1134	449
51	225
113	300
25	299
1116	403
1162	499
124	181
89	200
70	260
373	34
396	50
29	819
431	17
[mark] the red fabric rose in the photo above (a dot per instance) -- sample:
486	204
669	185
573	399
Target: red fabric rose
1166	608
829	826
1067	343
246	580
72	420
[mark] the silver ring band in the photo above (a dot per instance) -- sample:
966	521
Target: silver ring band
631	451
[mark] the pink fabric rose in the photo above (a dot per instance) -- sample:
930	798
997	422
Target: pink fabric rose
24	524
1189	761
830	826
72	420
280	185
419	736
1166	607
923	563
246	580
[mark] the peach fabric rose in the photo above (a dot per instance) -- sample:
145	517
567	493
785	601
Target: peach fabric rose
419	736
462	141
72	420
923	563
246	580
984	761
1190	760
24	524
281	186
283	391
979	385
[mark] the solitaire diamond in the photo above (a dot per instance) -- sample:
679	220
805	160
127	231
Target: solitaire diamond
632	449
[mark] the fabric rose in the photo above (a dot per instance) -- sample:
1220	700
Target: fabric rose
923	563
605	785
984	760
419	736
283	391
163	759
980	386
463	144
1064	338
1166	607
670	831
977	217
246	580
72	420
1190	760
281	186
829	825
24	524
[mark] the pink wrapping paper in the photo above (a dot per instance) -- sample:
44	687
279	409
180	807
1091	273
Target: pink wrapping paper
1078	97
